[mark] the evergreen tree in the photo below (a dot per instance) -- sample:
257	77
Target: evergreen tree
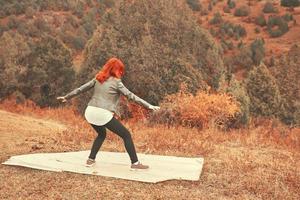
258	51
237	89
13	48
161	45
263	91
287	74
49	72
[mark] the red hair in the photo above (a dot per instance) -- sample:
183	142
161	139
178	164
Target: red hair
112	67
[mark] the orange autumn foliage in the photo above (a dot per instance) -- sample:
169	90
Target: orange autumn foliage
201	110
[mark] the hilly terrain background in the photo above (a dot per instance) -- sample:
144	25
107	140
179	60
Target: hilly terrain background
209	45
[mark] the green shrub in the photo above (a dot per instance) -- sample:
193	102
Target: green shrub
217	18
78	10
194	5
226	9
213	32
276	33
242	11
227	45
231	4
248	55
260	20
232	30
272	61
225	26
258	51
3	28
29	12
257	30
82	32
281	26
19	8
288	17
90	16
204	11
290	3
13	22
78	42
107	3
224	46
239	30
240	44
33	30
269	8
243	59
41	25
89	28
71	20
23	29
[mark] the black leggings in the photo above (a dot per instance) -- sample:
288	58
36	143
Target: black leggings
115	126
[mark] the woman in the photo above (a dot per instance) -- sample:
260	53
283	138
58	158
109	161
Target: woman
101	108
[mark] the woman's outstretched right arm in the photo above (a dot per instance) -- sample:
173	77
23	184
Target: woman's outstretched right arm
83	88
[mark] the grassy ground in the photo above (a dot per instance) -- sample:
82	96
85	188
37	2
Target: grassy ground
261	162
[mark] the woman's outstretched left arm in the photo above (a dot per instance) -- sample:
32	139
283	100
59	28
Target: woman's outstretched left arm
131	96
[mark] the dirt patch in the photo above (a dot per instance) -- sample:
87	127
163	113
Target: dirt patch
16	128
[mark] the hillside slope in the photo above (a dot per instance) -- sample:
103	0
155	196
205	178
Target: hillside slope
16	128
250	165
75	22
274	46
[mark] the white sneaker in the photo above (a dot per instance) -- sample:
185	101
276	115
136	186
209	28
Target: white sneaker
138	166
90	162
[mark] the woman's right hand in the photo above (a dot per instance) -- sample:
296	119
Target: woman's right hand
62	99
151	107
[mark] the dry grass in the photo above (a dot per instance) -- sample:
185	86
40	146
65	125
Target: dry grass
256	163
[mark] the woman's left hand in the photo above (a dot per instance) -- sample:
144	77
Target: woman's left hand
62	99
154	108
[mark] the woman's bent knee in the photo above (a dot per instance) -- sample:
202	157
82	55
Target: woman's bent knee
126	135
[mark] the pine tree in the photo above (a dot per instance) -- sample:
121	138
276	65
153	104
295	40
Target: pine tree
287	74
161	45
237	89
258	50
263	91
49	72
13	48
